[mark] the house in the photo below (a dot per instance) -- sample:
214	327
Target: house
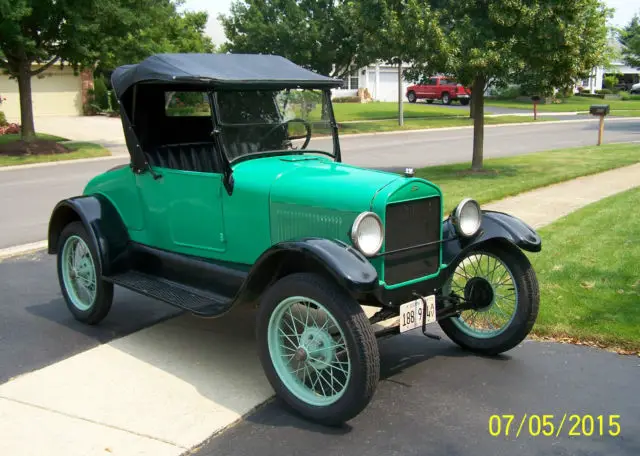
55	92
381	79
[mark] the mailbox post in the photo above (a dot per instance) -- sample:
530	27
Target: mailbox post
536	100
601	111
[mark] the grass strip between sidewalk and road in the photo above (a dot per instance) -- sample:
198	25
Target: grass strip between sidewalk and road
570	104
503	177
589	274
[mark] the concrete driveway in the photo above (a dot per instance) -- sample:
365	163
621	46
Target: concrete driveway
106	131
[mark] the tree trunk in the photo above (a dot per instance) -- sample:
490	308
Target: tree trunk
477	97
26	106
400	104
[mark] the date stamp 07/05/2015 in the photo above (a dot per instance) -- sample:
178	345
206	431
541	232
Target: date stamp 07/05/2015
570	425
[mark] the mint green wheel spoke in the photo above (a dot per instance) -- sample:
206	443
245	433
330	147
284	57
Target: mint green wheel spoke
79	273
493	319
308	350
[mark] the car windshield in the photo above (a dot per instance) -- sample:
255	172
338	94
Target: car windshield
260	121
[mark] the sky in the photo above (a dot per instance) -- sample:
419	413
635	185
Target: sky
625	9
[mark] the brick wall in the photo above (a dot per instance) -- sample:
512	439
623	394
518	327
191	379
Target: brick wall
86	77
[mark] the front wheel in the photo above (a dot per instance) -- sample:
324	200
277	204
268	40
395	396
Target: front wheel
317	348
411	96
501	286
446	99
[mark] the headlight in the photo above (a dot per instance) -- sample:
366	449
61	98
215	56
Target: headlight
366	233
467	217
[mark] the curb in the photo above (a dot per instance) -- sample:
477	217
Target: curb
61	162
519	124
23	249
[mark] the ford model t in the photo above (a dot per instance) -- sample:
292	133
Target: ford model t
236	193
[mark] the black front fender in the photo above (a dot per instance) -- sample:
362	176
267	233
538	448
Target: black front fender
102	222
347	266
496	226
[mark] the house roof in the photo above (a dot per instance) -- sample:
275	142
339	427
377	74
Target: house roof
219	70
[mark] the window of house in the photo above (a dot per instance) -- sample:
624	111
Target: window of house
354	81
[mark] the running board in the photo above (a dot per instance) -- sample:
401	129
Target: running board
200	302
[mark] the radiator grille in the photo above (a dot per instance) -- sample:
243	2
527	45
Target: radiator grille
408	224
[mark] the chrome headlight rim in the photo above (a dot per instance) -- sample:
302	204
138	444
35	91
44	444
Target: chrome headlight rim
354	232
457	215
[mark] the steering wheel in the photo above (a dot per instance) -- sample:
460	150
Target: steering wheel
307	126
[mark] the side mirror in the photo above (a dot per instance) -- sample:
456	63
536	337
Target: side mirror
599	110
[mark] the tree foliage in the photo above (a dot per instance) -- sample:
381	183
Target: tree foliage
83	32
317	34
541	45
630	39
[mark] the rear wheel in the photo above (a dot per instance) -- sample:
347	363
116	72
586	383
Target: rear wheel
411	96
88	297
446	98
464	101
317	348
501	286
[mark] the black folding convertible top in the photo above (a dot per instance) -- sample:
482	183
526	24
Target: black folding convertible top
219	70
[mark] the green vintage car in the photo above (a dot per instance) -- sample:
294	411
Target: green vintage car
236	193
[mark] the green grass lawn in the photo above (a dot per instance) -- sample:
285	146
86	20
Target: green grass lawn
508	176
589	274
389	110
5	139
569	104
78	150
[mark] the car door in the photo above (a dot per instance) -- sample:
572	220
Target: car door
430	88
183	211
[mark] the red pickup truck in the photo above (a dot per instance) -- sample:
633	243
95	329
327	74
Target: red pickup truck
439	88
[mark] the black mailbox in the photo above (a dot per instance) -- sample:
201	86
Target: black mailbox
599	110
536	98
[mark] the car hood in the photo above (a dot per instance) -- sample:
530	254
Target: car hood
320	182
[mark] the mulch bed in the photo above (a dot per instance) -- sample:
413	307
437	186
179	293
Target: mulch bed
35	147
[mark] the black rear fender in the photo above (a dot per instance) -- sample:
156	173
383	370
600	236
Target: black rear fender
103	223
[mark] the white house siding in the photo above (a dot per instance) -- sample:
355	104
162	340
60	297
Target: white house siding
55	92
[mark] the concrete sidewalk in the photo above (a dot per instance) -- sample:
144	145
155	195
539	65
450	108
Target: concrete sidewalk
545	205
167	388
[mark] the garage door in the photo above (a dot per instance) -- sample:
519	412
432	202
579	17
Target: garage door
55	93
388	86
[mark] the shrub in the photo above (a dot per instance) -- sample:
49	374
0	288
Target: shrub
346	100
589	95
507	93
10	129
3	119
604	92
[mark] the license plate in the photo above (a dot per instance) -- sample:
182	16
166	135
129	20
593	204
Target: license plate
412	314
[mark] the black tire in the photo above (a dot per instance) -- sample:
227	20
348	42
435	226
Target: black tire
429	101
104	290
526	312
359	337
446	98
464	101
411	96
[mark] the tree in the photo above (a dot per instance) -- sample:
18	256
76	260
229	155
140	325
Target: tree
392	30
630	39
38	34
541	45
316	34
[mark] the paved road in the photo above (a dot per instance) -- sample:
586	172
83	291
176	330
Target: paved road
28	195
436	399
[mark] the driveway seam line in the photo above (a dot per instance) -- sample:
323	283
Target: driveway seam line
117	428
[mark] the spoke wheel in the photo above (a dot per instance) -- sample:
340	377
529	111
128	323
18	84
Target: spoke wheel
79	273
88	297
500	286
308	350
486	283
317	348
